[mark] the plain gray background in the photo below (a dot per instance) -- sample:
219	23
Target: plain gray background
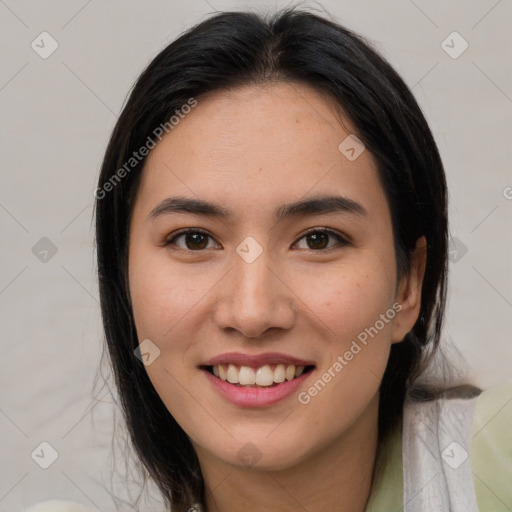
57	114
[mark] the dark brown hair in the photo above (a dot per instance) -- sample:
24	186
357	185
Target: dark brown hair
232	49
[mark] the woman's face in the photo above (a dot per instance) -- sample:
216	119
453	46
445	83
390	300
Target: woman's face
290	261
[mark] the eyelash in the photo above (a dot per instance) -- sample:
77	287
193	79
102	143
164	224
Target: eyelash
342	241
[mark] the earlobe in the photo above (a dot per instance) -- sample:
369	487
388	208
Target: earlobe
409	292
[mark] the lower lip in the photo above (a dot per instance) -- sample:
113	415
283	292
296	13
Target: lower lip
256	397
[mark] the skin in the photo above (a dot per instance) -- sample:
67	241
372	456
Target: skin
253	149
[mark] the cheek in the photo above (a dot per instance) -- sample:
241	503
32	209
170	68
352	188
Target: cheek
164	301
354	306
356	314
349	299
162	296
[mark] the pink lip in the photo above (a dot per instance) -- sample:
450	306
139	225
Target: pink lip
255	361
255	397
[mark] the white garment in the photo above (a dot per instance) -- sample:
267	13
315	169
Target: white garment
58	506
436	465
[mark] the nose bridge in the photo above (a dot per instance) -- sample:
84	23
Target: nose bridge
253	281
254	299
253	291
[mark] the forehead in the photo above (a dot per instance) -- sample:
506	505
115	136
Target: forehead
258	145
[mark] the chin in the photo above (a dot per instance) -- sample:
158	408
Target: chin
259	453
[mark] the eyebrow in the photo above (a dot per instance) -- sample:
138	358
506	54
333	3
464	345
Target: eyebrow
317	205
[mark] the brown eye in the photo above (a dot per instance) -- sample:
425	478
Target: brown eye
194	240
319	239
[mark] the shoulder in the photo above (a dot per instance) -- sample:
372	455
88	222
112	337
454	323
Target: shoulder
461	442
58	506
491	448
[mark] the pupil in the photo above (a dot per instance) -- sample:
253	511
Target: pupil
195	239
318	238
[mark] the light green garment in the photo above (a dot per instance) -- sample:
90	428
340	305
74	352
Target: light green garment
490	456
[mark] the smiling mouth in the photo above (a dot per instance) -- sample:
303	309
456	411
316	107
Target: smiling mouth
266	376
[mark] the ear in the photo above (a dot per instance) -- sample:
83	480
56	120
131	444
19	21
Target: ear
409	292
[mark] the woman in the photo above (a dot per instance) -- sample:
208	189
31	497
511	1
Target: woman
272	240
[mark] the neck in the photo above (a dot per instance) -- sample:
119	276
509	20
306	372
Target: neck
337	477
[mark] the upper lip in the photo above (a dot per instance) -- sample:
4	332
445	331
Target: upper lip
255	361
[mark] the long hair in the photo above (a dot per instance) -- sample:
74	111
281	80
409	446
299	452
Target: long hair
233	49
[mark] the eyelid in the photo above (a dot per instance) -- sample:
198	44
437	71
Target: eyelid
184	231
343	239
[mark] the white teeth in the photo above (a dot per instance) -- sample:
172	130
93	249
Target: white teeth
290	372
247	376
262	376
279	373
232	374
265	376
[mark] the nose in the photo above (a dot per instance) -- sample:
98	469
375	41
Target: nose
255	298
